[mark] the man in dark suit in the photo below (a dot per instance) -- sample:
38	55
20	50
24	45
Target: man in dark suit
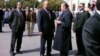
46	27
1	19
62	39
91	33
81	17
17	22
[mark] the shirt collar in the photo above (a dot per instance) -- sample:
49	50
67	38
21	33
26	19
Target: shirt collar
18	10
98	12
81	11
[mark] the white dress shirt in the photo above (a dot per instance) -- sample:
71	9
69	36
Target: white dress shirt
98	12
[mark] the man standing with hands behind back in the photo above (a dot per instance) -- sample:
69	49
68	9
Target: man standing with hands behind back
17	22
46	27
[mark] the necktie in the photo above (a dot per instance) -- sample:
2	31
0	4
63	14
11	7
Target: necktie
21	14
20	18
48	13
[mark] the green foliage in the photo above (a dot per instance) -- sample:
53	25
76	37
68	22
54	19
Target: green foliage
30	3
55	4
11	3
1	3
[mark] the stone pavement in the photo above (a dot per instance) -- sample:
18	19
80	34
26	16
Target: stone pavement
30	45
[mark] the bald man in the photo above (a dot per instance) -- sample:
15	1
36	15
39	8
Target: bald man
17	22
46	27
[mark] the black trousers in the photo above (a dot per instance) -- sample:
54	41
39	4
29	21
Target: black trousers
79	41
0	26
16	40
63	54
66	43
46	38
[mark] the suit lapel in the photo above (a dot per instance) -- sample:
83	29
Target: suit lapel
46	14
62	15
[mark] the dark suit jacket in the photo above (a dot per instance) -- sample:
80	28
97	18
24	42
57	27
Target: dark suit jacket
80	20
62	39
91	35
46	25
14	21
1	15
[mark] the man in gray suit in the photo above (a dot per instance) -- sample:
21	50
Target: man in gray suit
62	41
17	22
91	33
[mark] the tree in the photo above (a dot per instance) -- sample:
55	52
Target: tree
31	3
55	4
1	3
12	3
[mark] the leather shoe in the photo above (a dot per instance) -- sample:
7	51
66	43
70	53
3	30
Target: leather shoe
48	55
79	53
41	55
12	54
18	51
1	31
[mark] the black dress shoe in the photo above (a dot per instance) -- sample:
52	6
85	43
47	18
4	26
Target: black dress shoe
18	51
1	31
41	55
12	54
48	55
79	53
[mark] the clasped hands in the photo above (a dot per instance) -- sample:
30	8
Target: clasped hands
57	21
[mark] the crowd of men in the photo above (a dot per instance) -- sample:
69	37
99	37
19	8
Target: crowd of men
86	27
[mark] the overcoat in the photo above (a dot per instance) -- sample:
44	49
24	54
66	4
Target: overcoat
62	40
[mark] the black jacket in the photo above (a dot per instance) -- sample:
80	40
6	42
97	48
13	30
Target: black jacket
46	24
1	15
14	21
91	35
80	20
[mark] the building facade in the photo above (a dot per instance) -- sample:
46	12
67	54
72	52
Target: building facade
74	3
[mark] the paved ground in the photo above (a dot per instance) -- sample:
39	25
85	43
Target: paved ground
30	45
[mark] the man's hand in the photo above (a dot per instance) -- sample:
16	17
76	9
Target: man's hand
58	22
55	22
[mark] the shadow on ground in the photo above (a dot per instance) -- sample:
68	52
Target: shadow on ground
34	34
31	50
